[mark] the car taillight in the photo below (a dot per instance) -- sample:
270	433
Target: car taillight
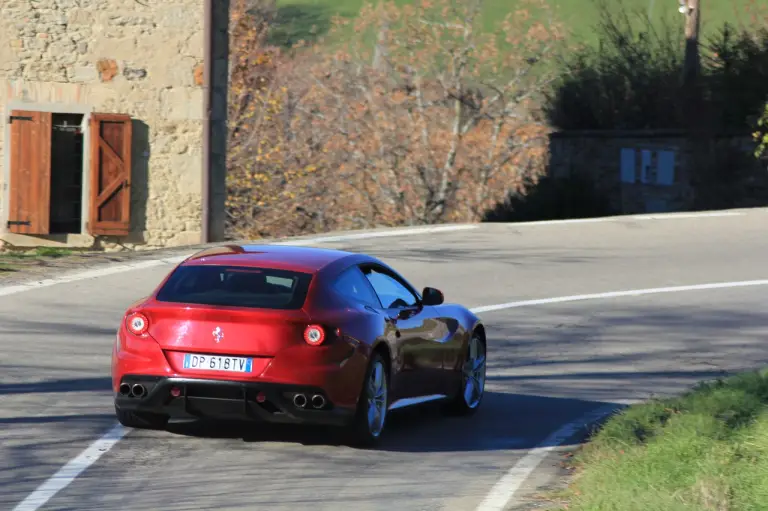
314	335
137	323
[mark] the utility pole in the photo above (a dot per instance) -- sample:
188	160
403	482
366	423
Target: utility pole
380	53
692	11
691	92
698	129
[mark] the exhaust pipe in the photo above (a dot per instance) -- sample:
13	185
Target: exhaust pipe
138	390
300	400
318	401
125	389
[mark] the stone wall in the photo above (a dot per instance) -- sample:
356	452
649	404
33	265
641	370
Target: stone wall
119	56
670	180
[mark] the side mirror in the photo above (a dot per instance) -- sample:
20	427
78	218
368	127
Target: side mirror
432	296
405	313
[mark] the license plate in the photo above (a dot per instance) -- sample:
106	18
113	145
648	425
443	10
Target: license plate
218	363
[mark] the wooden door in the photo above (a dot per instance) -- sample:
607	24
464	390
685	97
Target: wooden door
110	183
30	177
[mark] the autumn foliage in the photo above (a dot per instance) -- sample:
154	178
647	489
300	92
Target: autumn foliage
420	117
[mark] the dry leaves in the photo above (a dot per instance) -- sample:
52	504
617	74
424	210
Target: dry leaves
433	122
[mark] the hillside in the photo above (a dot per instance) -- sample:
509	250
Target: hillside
298	17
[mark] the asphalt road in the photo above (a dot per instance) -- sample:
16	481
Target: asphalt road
548	365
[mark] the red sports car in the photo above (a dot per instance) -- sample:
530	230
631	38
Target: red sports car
293	335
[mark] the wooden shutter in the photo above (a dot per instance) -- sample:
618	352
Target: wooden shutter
110	185
30	179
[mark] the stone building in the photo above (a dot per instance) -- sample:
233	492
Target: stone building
113	128
652	171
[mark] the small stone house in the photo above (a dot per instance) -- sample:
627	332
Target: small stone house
113	128
651	171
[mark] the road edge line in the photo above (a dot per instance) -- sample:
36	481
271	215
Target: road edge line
513	478
69	472
112	269
503	492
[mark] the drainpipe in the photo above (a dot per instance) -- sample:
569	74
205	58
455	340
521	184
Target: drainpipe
207	101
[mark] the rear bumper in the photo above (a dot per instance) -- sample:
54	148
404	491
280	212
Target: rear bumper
228	400
337	369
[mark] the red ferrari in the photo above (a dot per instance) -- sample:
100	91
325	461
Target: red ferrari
293	335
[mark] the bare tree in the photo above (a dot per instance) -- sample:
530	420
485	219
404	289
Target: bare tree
434	122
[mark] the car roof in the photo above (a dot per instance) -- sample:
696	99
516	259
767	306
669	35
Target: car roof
284	257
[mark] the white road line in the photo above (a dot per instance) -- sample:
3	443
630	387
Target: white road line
502	493
71	470
619	294
624	218
120	268
380	234
152	263
673	216
88	274
504	490
513	479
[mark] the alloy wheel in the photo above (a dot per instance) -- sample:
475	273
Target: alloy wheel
474	373
377	398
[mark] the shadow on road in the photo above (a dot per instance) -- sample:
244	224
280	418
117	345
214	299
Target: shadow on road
545	369
466	251
504	422
61	420
96	384
620	351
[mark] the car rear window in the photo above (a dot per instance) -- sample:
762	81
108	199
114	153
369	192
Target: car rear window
236	286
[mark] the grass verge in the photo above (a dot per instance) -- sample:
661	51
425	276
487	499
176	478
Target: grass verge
704	450
14	261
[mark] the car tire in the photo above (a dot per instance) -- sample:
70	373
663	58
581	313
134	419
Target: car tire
364	432
140	420
464	402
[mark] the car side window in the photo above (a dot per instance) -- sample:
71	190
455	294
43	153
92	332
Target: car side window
393	294
351	283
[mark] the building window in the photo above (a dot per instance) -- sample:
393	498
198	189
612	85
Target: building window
66	210
647	166
47	173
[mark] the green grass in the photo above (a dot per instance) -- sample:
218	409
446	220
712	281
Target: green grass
298	17
705	450
16	261
50	252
